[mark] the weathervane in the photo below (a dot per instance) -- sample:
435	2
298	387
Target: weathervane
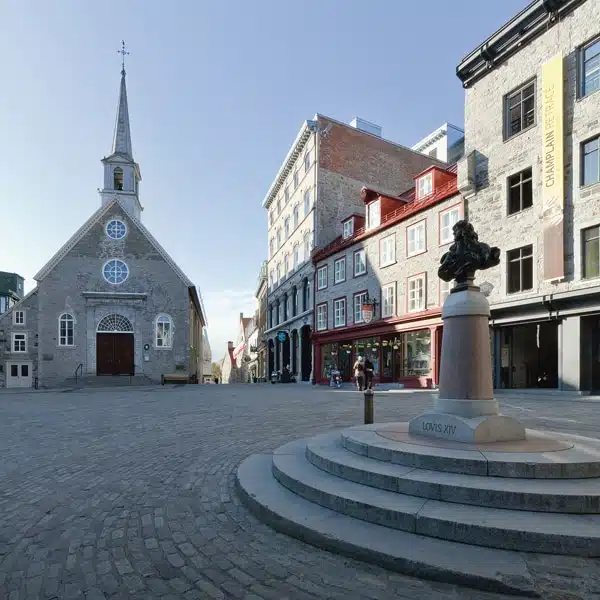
122	52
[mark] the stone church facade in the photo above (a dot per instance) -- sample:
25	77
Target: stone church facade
111	301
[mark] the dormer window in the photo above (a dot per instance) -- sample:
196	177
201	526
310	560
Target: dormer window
373	214
424	186
348	228
118	179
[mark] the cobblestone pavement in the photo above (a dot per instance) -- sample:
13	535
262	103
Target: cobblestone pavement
129	494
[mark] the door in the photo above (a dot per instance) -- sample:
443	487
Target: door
18	374
595	359
114	354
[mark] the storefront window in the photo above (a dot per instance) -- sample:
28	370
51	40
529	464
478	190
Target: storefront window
416	350
368	348
329	358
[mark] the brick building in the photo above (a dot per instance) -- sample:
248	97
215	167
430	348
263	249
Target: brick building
384	261
531	179
111	301
317	186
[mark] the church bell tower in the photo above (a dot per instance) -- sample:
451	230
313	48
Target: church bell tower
121	173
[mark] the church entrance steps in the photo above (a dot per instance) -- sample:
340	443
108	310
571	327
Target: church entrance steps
99	381
420	508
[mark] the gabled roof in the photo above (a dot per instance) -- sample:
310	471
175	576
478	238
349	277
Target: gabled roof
17	304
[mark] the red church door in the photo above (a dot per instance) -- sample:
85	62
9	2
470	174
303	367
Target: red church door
114	354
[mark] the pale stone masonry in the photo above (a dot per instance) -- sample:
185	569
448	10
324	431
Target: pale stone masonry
505	151
317	185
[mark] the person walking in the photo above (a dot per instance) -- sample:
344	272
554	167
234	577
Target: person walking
359	373
369	373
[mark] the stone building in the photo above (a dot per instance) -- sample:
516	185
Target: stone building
261	322
111	301
531	179
446	143
377	292
235	368
317	186
11	290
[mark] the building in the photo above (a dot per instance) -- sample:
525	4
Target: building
446	143
251	335
261	323
317	186
11	290
111	301
531	177
377	292
207	358
235	362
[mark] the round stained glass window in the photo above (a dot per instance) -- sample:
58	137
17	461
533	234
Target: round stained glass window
116	230
115	271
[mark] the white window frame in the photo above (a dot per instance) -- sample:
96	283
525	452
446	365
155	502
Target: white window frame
307	246
387	251
339	274
359	300
321	317
306	202
445	287
363	262
448	236
322	276
296	255
339	312
388	306
286	228
286	264
374	216
307	163
348	228
278	238
21	338
296	215
163	319
19	321
425	186
63	340
412	294
411	247
279	273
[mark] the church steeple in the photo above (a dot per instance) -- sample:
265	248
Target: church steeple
121	173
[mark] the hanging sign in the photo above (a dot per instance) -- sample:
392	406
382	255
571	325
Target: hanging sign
368	311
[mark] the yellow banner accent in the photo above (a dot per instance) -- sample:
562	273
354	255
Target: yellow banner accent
553	192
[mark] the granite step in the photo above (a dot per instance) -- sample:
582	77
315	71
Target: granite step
582	461
486	569
528	531
541	495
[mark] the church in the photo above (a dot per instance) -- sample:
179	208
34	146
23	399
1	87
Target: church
111	301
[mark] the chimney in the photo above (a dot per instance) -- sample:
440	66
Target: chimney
366	126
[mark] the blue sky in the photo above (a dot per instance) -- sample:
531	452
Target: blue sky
218	90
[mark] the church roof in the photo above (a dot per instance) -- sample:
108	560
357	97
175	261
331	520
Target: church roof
122	135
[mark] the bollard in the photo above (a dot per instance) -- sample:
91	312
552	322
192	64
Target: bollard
369	407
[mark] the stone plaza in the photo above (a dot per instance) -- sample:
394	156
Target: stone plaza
131	494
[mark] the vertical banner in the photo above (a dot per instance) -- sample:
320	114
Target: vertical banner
553	192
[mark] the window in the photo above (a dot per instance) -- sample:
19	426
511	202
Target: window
307	245
387	251
19	342
520	192
306	202
416	239
294	301
591	252
307	161
279	273
116	230
373	214
519	110
360	263
306	295
164	332
278	206
280	311
271	246
3	304
322	278
445	287
590	162
359	300
286	228
520	269
447	221
348	228
115	271
339	312
424	186
388	300
271	216
286	194
296	178
589	61
19	317
296	257
286	264
284	303
118	179
416	293
321	317
66	326
296	216
115	323
278	238
339	270
272	277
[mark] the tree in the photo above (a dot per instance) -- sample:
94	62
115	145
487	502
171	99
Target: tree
216	371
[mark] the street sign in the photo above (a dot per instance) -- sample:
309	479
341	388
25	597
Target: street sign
282	336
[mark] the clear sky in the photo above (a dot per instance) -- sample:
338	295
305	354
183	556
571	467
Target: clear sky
218	90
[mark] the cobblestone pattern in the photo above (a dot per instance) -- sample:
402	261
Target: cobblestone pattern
114	495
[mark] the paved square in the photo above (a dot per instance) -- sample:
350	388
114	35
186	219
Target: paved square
129	494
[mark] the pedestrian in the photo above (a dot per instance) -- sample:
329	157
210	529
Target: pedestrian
359	373
369	372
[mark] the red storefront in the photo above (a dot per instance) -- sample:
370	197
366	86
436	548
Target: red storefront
403	349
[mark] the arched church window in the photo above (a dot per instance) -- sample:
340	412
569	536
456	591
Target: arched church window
115	324
66	330
164	332
118	178
115	271
116	230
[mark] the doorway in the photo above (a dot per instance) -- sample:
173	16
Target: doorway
306	358
18	375
114	354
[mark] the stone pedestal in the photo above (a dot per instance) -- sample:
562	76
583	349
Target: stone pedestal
466	410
